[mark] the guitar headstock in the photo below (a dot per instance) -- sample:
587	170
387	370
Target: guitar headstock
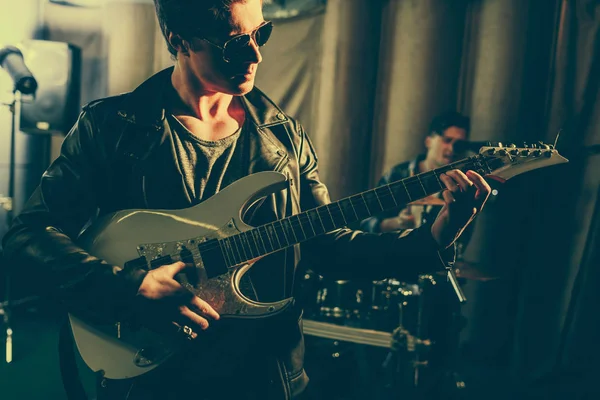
503	162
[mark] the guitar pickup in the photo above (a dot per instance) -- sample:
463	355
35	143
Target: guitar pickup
160	261
139	262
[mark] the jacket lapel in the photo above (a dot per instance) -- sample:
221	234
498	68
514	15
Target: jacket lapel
160	176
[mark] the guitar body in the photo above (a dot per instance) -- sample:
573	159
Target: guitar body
129	235
213	237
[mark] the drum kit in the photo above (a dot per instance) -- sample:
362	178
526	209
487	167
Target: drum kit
419	321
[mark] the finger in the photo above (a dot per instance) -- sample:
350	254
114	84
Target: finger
448	197
195	318
461	179
450	183
204	308
175	268
404	212
483	188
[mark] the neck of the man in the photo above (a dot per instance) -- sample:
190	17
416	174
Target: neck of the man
196	101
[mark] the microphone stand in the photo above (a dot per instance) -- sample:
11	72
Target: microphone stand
8	204
457	383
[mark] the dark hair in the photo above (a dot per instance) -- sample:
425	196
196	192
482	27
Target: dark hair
191	18
451	118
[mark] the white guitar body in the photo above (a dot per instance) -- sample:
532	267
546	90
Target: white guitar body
120	237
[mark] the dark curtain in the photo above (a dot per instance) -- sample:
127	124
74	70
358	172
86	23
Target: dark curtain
524	70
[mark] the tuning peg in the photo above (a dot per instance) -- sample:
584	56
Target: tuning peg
502	152
511	145
543	145
514	152
524	153
536	153
491	151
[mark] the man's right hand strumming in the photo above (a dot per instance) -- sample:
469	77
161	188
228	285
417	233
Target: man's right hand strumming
164	299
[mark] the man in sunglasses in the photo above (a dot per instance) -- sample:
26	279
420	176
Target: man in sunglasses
176	140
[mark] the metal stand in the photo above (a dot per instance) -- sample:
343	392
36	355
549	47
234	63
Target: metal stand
451	276
8	204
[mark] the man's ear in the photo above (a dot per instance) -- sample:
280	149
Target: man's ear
178	43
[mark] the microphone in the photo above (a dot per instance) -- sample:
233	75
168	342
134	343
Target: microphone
462	146
11	59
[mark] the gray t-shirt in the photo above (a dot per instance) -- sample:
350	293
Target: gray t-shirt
202	162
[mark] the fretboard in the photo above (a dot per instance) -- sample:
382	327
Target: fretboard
274	236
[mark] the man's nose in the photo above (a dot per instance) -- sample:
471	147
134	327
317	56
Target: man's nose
256	57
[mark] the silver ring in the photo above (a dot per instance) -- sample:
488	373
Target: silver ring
189	333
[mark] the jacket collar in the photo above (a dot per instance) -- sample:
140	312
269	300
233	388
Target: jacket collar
145	105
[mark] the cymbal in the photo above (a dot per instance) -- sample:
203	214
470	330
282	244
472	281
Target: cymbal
470	271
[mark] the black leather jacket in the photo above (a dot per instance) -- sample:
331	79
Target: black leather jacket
97	172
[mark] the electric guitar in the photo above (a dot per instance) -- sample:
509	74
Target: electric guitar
213	237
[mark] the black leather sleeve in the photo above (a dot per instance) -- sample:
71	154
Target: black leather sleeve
350	254
40	248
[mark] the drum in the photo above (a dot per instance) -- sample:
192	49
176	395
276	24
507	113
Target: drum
393	303
341	299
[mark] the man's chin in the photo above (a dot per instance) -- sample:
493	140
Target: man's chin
243	88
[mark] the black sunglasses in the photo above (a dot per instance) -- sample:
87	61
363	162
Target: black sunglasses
234	48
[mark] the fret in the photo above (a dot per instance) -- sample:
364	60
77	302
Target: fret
268	241
413	185
387	197
236	258
335	210
228	256
304	226
390	196
317	223
373	202
348	210
258	238
326	217
273	231
282	230
288	227
229	250
406	189
227	264
252	240
429	182
399	193
236	242
246	246
364	201
378	199
360	208
437	178
421	183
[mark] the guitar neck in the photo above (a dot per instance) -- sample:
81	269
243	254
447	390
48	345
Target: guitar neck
298	228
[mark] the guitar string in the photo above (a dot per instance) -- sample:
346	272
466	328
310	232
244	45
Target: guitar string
295	224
